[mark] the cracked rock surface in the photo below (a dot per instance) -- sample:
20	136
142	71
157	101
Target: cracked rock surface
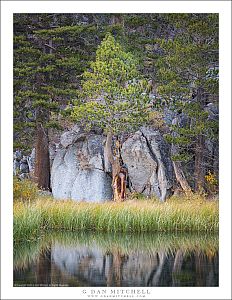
78	171
149	165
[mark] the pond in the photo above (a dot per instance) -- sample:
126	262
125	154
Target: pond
93	259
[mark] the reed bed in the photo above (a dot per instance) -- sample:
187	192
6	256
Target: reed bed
175	215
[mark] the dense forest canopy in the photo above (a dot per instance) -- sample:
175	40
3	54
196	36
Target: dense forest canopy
155	69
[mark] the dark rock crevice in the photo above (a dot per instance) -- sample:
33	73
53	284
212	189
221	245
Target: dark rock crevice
149	164
153	156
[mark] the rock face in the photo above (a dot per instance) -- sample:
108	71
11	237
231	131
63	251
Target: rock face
78	170
147	158
31	161
24	168
70	137
20	165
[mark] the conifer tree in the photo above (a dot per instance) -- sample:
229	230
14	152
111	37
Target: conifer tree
46	66
113	96
187	78
51	52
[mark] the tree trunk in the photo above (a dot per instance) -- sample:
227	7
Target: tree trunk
42	163
42	159
178	262
116	261
117	20
199	168
119	260
119	173
44	267
108	155
155	275
199	172
109	276
200	261
180	177
215	164
179	173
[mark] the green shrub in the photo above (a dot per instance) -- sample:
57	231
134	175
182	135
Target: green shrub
24	190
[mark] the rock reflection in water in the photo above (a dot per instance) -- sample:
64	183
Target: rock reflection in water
105	260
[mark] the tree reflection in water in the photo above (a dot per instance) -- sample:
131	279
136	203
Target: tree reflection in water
43	267
113	260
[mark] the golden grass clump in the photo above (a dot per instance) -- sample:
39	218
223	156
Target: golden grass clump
175	215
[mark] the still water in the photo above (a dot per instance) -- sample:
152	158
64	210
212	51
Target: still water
91	259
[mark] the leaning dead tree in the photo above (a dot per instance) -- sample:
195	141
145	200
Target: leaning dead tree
119	171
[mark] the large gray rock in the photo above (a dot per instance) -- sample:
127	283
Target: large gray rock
31	161
147	158
78	171
70	137
17	156
16	166
93	264
20	165
24	168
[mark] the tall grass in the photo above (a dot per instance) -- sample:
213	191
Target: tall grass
175	215
27	221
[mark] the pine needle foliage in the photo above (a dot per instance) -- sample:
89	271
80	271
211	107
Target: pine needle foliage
113	94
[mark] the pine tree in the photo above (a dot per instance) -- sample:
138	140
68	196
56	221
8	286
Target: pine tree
51	52
112	97
45	71
187	78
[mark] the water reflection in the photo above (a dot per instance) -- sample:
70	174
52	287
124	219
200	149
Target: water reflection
74	259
